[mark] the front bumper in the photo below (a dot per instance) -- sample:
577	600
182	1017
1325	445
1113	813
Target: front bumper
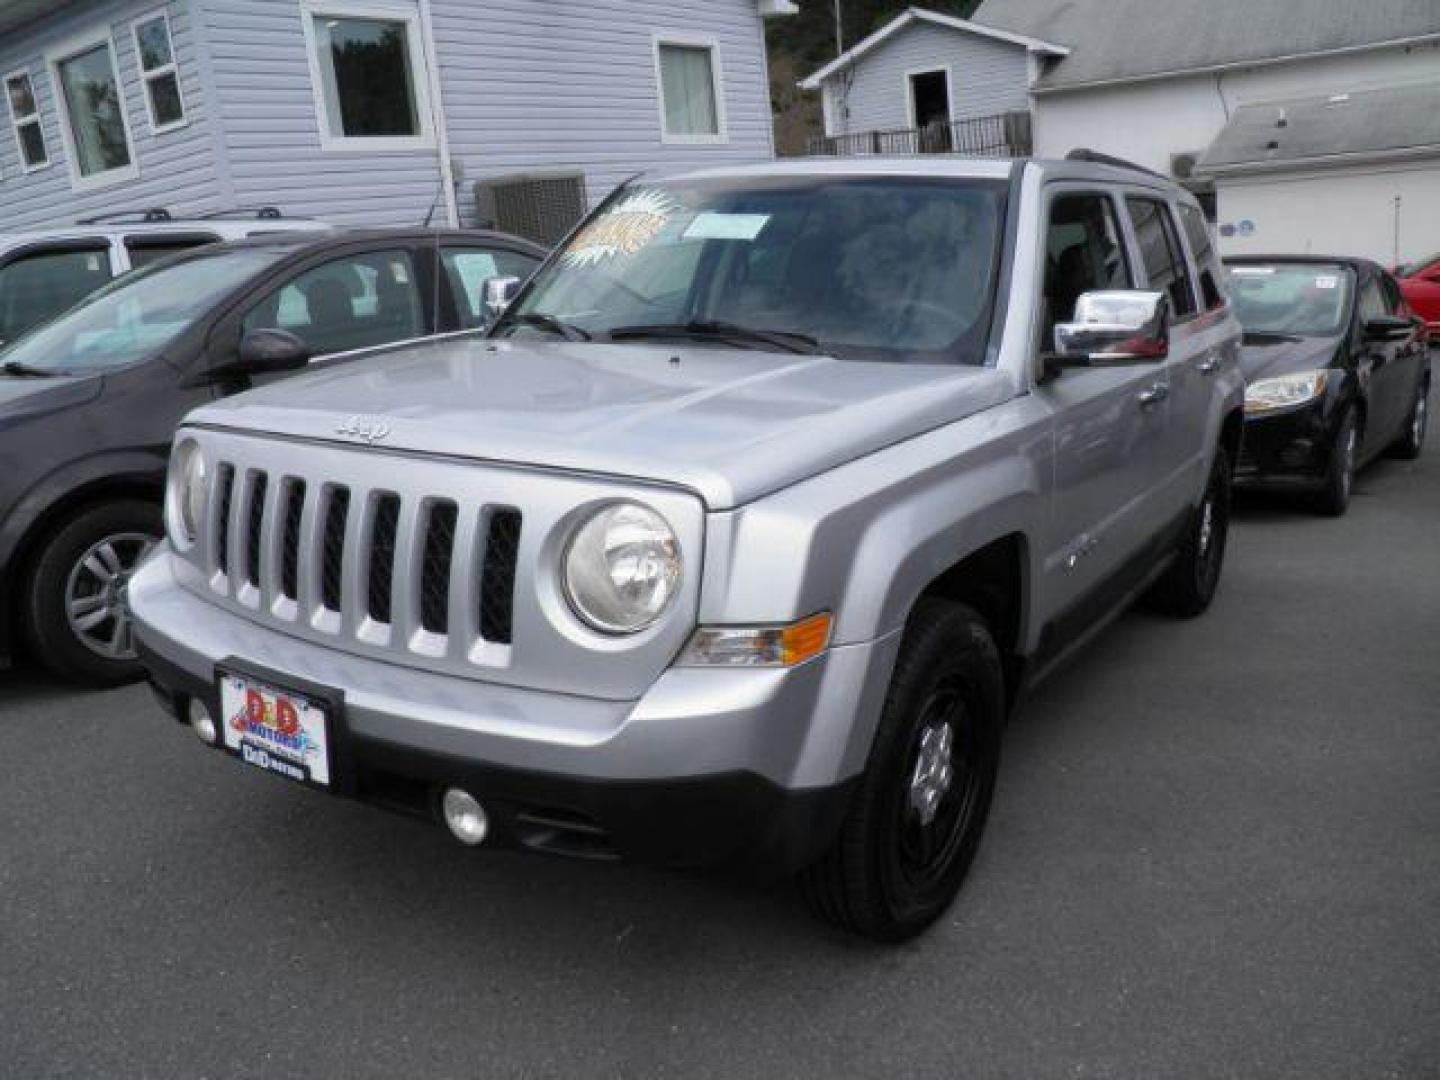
1286	450
708	766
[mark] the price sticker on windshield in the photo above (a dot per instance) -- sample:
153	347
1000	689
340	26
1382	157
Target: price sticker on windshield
1327	281
710	225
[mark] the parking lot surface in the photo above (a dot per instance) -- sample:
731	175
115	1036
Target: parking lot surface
1215	852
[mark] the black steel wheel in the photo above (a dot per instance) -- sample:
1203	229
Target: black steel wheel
1190	582
918	816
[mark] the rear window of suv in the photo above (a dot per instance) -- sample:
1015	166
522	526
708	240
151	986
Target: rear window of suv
1161	252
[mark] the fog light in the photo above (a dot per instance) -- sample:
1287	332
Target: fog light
201	722
465	816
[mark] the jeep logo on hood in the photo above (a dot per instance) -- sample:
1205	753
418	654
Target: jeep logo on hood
366	429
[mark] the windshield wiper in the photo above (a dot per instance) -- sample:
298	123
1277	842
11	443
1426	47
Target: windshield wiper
549	322
1269	335
711	330
15	367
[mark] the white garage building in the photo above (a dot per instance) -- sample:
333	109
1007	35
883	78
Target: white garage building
1160	81
1355	173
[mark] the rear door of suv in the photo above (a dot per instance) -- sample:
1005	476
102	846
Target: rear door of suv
1197	336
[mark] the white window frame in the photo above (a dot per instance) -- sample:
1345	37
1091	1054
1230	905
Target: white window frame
717	85
17	122
420	75
930	69
68	50
148	77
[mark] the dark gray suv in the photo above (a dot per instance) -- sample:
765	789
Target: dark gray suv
88	402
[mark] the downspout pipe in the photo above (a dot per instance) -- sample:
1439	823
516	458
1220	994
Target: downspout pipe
437	115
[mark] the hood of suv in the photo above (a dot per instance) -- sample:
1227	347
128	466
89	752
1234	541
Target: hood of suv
730	424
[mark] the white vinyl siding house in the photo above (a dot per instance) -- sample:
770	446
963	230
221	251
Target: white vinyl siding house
366	111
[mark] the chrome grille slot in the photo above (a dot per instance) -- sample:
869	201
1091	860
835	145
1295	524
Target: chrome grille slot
383	536
226	481
256	518
332	559
290	541
440	522
497	579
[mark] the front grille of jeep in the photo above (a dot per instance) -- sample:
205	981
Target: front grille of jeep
402	570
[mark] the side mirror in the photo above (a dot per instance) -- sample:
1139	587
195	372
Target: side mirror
1388	328
1117	326
496	294
264	352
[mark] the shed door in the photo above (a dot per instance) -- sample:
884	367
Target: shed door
930	97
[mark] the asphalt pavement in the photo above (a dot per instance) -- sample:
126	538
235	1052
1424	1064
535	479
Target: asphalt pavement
1215	852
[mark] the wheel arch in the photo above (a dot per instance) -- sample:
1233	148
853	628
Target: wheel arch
59	509
994	579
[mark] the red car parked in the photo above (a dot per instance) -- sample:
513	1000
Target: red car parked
1420	284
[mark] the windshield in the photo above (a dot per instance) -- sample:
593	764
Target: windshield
1301	299
136	316
870	269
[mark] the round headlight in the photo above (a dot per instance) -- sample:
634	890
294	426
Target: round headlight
622	568
188	490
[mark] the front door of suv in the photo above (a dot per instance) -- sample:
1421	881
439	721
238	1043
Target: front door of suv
1110	421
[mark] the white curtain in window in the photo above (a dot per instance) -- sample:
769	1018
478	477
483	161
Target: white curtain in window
688	87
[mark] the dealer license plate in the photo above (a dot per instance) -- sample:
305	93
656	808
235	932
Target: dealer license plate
276	730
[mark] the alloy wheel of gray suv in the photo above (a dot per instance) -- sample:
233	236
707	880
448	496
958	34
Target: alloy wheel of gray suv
917	817
79	625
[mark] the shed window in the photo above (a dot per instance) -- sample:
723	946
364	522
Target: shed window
370	78
161	78
690	103
25	118
93	112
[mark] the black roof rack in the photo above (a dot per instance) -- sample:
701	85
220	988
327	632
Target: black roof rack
261	213
1097	158
148	215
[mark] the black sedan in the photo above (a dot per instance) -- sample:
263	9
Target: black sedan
1337	372
88	401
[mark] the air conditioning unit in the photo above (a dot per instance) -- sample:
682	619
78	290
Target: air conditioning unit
1182	166
543	205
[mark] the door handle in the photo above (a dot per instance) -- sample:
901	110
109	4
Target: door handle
1209	365
1153	396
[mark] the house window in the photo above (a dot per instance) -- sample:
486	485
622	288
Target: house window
692	107
370	77
25	117
156	56
92	113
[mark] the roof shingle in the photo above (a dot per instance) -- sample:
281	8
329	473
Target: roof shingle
1128	39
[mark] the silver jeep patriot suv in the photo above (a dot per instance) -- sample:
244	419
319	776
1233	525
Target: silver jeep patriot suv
736	536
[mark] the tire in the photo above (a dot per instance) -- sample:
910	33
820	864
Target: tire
1333	499
1412	442
84	566
1189	583
890	874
